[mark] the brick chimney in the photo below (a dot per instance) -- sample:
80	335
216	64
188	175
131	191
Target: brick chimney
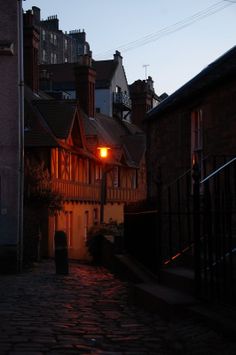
31	50
85	77
142	96
117	57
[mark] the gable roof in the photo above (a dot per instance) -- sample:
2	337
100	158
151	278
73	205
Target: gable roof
52	122
105	70
119	135
36	135
36	132
58	114
135	145
222	68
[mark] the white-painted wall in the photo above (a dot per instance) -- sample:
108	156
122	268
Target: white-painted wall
103	101
104	97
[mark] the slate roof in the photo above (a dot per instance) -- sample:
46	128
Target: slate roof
30	95
118	135
63	74
94	127
60	72
221	69
37	136
36	133
136	146
131	128
58	114
52	120
105	70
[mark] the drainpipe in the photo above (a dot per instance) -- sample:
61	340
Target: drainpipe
20	137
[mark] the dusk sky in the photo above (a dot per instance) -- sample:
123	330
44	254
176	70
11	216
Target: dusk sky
176	39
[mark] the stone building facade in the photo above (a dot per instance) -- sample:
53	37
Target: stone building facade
56	46
11	119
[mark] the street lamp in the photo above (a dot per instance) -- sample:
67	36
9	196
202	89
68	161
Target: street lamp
103	154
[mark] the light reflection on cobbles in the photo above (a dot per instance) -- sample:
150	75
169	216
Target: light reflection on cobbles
87	312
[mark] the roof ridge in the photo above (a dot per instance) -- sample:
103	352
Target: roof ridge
174	97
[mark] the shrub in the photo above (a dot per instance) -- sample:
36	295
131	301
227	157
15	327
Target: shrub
38	190
95	237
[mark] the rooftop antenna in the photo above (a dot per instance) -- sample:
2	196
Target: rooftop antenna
145	66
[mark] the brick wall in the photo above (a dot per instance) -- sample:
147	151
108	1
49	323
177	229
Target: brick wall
169	134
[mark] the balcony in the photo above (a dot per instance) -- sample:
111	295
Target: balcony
124	195
75	191
122	101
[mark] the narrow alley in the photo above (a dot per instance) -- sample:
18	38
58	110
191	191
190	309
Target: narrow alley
87	312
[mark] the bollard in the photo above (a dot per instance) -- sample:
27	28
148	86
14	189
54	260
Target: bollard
61	253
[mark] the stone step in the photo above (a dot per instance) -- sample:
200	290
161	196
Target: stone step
180	278
220	317
132	270
167	301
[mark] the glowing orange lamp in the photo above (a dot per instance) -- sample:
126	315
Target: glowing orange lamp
103	152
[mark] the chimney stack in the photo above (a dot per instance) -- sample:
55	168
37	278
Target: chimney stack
31	50
85	77
37	16
142	95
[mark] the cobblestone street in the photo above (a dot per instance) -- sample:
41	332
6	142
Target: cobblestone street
87	312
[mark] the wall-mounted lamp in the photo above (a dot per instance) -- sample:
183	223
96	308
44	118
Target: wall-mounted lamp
103	152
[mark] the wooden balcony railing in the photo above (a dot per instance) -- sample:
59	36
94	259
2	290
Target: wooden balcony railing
77	191
122	194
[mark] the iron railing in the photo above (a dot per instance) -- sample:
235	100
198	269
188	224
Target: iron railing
217	236
122	99
193	224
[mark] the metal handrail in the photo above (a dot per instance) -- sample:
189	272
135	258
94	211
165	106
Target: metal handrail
217	171
185	173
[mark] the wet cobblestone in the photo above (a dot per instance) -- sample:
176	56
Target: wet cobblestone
87	312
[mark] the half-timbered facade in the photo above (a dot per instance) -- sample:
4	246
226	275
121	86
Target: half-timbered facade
62	138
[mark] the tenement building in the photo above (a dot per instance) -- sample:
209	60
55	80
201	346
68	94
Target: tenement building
56	46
